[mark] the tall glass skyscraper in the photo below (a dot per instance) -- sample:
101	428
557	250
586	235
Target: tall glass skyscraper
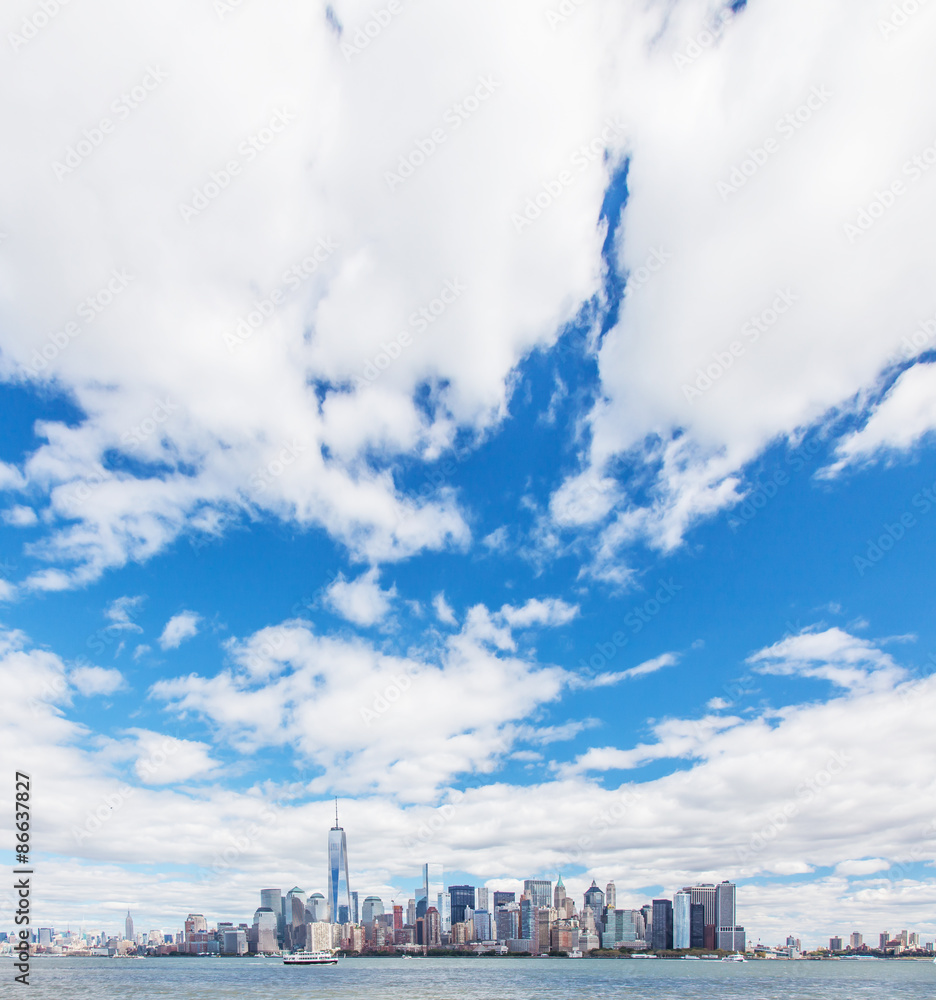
682	924
540	891
431	887
339	891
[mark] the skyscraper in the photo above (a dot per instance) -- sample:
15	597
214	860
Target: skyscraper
704	894
339	890
444	906
273	899
370	908
682	919
128	927
696	925
432	885
610	896
559	894
662	928
502	898
482	898
595	901
463	896
730	937
540	891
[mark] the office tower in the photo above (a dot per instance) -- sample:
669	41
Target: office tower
559	895
662	933
705	895
128	927
610	896
835	944
265	930
371	908
482	926
397	918
682	923
273	899
855	941
646	911
482	898
432	928
696	925
411	912
463	896
444	906
502	898
507	919
431	887
595	901
355	909
339	890
527	917
883	940
317	908
540	891
623	927
725	916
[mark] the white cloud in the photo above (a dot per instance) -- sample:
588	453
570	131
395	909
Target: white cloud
361	601
141	650
832	655
20	517
641	670
866	866
122	613
91	681
166	760
905	414
551	611
443	610
179	628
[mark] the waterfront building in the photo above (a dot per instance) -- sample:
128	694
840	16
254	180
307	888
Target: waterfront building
339	889
623	929
482	925
696	925
265	930
273	898
730	937
294	930
317	908
682	919
662	927
371	908
835	944
855	941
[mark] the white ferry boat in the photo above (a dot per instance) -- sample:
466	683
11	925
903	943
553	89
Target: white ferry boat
310	958
736	957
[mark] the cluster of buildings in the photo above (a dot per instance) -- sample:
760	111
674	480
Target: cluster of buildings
541	919
905	941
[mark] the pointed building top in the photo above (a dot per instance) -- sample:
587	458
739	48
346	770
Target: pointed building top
559	883
336	826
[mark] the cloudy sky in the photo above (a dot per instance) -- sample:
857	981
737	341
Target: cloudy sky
513	419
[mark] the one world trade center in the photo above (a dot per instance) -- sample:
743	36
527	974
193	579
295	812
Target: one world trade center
339	892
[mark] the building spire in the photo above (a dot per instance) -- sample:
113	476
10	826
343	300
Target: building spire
336	812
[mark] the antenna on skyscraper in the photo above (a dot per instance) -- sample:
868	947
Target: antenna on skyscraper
336	812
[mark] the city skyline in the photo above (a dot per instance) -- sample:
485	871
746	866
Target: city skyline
512	420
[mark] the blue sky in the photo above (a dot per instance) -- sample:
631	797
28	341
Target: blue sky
586	586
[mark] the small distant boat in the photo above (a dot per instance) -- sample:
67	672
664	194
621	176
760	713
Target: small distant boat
575	953
736	957
310	958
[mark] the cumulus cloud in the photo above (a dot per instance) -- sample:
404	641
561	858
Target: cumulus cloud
443	610
166	760
91	681
360	601
20	516
122	612
179	628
